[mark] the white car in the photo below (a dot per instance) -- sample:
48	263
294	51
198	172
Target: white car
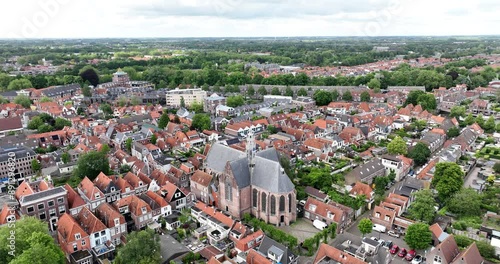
393	234
417	260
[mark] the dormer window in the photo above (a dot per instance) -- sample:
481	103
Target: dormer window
312	207
330	215
117	221
144	211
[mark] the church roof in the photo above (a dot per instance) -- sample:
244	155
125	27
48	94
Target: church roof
219	155
241	172
270	176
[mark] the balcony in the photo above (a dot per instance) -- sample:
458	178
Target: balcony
103	249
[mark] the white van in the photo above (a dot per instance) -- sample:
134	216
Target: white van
379	228
319	224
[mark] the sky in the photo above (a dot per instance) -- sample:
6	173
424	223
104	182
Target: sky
246	18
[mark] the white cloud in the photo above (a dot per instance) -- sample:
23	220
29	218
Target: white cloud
234	18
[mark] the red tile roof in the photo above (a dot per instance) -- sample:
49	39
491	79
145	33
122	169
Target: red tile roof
327	251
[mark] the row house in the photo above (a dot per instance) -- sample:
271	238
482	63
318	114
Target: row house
201	186
328	213
92	195
175	196
249	241
388	213
218	224
179	177
75	201
351	135
54	138
159	207
113	220
42	200
319	145
330	254
138	185
99	234
448	252
359	189
479	106
366	172
399	164
433	140
241	129
108	187
136	211
73	240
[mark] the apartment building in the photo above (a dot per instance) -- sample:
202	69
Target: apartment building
190	96
21	157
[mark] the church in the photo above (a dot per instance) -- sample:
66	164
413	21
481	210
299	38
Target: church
253	182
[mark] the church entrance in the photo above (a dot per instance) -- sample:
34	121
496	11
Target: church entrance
282	219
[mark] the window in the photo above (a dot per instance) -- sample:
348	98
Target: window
30	209
78	236
42	216
84	243
112	189
387	218
177	195
96	235
282	203
312	207
377	215
117	221
52	212
75	248
62	209
289	203
255	197
273	205
264	202
50	203
60	200
228	189
437	259
41	206
103	233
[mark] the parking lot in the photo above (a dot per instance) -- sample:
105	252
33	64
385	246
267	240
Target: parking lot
302	229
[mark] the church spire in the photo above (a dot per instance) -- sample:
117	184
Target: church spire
250	148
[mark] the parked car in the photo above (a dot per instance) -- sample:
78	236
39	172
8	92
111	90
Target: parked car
417	260
402	253
393	233
302	202
387	244
394	249
319	224
379	228
410	255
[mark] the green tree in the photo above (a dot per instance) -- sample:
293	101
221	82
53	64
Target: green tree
420	153
496	167
45	99
468	197
19	84
427	101
275	91
235	101
453	132
272	129
380	184
35	165
250	91
164	119
31	237
106	109
44	128
457	111
374	83
397	146
469	120
196	107
365	97
153	139
23	100
135	100
91	164
302	92
422	208
412	97
142	247
448	179
65	157
489	125
334	95
365	226
418	236
322	97
35	122
60	123
128	144
86	91
201	122
105	148
288	91
480	120
262	90
183	103
89	73
347	96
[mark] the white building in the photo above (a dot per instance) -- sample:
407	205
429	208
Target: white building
190	96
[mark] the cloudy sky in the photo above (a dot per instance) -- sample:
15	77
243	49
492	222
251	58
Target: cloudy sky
246	18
